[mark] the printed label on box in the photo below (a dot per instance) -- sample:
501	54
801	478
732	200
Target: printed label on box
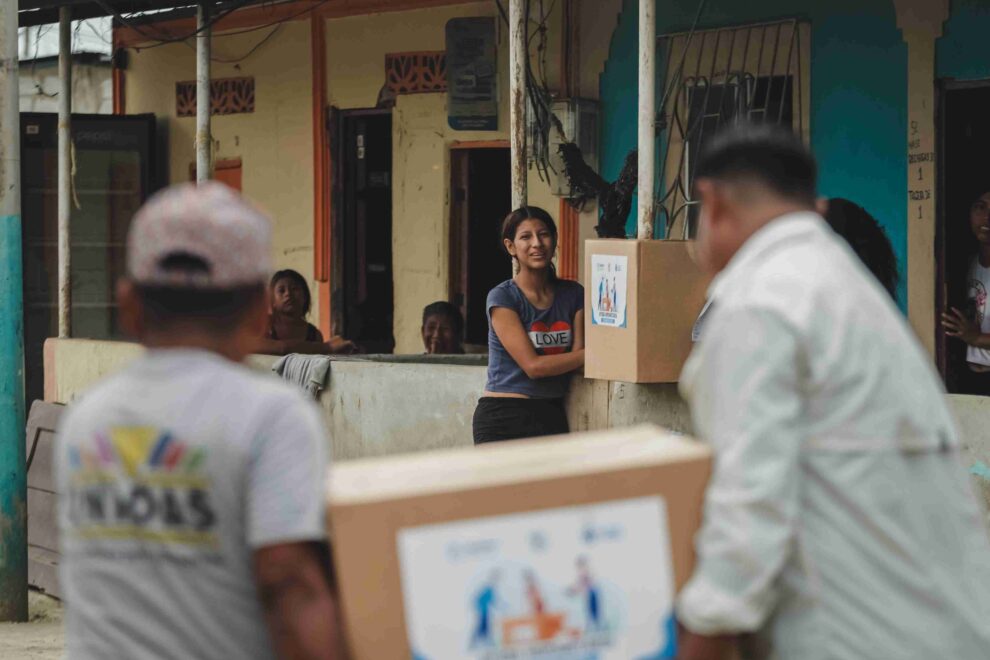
609	277
588	582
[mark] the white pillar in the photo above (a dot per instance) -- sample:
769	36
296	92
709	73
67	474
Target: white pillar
204	139
517	100
647	116
64	171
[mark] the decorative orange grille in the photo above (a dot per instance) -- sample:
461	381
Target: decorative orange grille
416	73
228	96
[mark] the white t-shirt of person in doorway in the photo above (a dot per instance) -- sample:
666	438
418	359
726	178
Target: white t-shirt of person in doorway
976	298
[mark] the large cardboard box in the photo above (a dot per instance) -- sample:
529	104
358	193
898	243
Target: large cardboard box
421	541
642	299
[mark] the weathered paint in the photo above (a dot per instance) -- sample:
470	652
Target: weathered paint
204	140
64	171
921	21
13	472
274	143
13	481
518	22
646	131
858	75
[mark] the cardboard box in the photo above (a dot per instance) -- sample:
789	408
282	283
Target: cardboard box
432	528
642	299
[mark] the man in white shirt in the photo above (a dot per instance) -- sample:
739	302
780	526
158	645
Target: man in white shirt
839	521
191	488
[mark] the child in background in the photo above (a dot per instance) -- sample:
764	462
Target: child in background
535	337
973	327
191	489
288	330
443	329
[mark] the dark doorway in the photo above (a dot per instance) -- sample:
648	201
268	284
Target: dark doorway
481	197
964	175
363	228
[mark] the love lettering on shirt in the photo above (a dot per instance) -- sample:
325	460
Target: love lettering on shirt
551	340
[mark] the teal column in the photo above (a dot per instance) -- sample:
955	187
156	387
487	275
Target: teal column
13	471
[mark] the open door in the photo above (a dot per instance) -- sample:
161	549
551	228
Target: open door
363	228
481	197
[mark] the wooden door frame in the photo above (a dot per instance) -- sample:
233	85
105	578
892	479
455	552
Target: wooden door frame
337	121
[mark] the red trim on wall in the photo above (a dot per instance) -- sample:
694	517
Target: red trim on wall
569	230
117	77
322	234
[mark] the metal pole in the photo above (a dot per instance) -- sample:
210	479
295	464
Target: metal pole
517	100
647	115
64	171
13	472
204	139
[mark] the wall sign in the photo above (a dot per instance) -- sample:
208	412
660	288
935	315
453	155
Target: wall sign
572	583
609	280
472	74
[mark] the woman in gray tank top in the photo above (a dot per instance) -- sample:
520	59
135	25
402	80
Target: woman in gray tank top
535	336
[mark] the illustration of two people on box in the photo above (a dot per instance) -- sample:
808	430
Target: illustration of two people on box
535	625
608	296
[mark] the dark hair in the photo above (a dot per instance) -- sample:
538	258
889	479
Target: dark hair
772	155
447	310
512	221
295	276
220	311
867	239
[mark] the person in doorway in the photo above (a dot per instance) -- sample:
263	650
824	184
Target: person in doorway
535	336
443	329
973	325
839	521
288	330
866	238
191	489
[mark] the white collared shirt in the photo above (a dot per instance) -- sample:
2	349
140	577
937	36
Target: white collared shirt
839	521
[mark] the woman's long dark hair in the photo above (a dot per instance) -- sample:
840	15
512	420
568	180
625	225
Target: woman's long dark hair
867	239
511	225
295	276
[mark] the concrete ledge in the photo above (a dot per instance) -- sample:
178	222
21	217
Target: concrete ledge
381	405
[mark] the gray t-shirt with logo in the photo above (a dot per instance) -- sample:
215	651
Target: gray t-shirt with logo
170	474
551	330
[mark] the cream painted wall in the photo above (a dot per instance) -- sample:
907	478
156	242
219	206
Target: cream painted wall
274	142
421	140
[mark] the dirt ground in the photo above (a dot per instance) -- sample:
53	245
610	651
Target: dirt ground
39	639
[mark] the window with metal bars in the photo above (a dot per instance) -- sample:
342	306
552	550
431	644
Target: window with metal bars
711	78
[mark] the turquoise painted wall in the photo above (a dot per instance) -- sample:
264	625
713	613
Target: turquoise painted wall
858	96
962	51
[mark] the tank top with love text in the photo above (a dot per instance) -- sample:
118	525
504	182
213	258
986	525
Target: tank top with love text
550	330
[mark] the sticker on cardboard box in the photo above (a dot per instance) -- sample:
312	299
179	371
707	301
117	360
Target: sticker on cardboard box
609	279
591	582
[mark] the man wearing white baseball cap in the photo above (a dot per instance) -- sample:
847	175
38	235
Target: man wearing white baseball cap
191	488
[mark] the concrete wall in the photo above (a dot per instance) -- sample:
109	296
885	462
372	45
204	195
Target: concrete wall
92	87
274	143
378	406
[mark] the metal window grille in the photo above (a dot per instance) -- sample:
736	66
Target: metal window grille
711	78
